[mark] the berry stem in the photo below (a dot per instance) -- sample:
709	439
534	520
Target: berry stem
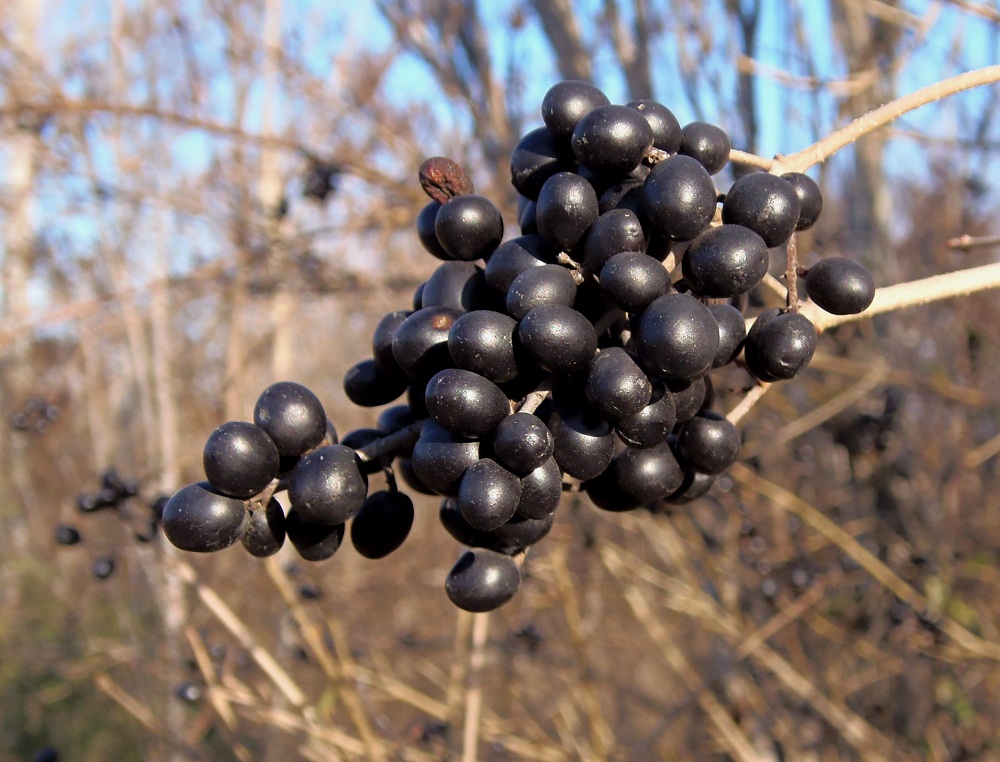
883	115
967	242
792	275
532	400
392	443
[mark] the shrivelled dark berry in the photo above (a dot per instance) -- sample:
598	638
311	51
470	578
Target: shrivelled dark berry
483	342
469	227
567	102
677	337
559	338
327	486
724	262
488	495
810	199
679	198
264	533
522	442
567	207
201	519
537	286
292	416
840	286
382	524
709	144
465	403
666	128
313	542
240	459
765	203
536	157
616	387
482	580
612	139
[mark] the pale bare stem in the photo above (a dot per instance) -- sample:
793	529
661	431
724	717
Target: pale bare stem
531	402
750	160
608	319
747	403
967	242
873	120
392	443
792	275
474	688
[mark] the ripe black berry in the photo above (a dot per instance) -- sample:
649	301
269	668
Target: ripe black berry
521	532
536	157
611	140
810	199
327	486
724	262
567	207
780	347
425	230
615	231
765	203
240	459
632	280
616	387
482	580
440	458
709	443
201	519
559	338
537	286
707	143
382	524
420	344
653	423
514	257
522	443
732	332
483	342
488	495
840	286
679	198
584	442
465	403
292	416
677	337
648	473
541	491
313	542
264	533
567	102
461	286
666	128
468	227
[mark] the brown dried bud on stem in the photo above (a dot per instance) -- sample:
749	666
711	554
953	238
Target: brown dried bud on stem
442	179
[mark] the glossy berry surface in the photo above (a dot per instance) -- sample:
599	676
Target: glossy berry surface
567	207
264	533
677	337
615	386
488	495
382	524
440	458
483	342
368	385
648	473
468	227
780	347
632	280
707	143
651	425
541	491
536	157
709	443
666	128
482	580
840	286
559	338
200	519
382	340
459	286
612	139
521	532
420	344
465	403
292	416
515	256
810	199
425	230
313	542
522	443
732	332
765	203
584	442
615	231
724	262
327	486
538	286
567	102
679	198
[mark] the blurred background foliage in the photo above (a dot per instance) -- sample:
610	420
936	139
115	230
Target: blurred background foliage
200	197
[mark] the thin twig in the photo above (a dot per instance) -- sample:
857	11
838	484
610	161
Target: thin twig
823	149
474	688
792	275
966	242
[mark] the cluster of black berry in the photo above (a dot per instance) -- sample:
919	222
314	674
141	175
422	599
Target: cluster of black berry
114	494
569	358
37	415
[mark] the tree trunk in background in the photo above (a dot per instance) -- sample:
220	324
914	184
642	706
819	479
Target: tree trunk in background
559	22
869	44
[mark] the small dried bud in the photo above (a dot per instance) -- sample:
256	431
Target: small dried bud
442	179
